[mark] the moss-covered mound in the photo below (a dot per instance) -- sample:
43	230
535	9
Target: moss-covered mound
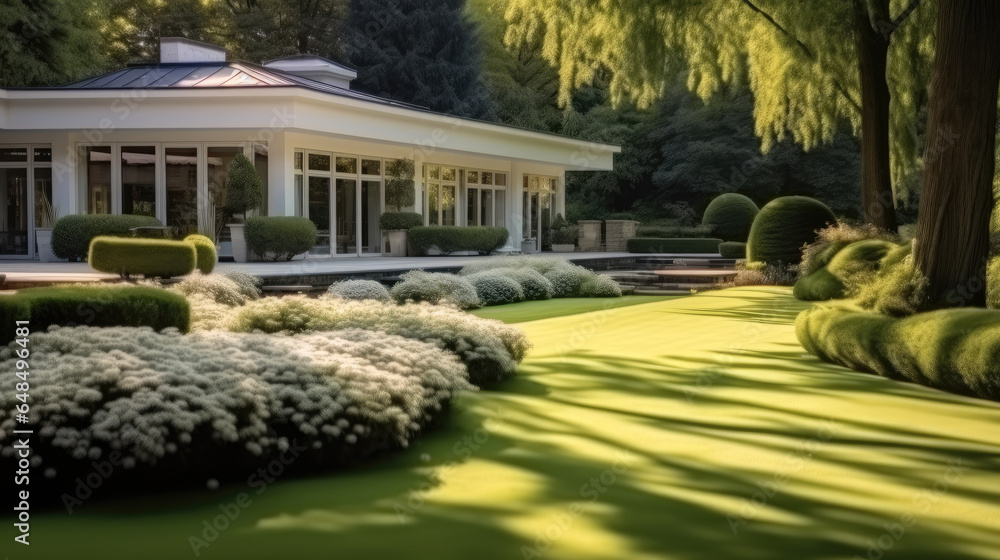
843	266
993	284
733	250
784	226
730	216
953	349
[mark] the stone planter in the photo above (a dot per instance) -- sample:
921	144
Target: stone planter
43	238
240	253
563	247
528	246
397	243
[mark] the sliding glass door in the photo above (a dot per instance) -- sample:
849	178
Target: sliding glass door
344	199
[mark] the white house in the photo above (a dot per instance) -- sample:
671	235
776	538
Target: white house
158	140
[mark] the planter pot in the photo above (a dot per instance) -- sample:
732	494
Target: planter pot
563	247
528	246
43	238
239	243
397	243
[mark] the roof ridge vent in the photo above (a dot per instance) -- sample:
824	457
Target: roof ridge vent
315	68
175	50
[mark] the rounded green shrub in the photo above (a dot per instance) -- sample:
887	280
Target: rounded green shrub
360	290
207	257
244	187
820	285
853	264
733	250
435	287
151	258
567	281
71	235
394	221
494	288
730	216
534	285
600	285
279	237
784	226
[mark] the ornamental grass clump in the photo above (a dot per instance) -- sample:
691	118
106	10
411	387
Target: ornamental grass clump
360	290
183	408
214	286
435	287
490	349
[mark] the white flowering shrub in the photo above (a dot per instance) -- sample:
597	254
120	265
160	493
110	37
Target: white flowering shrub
490	349
435	287
600	285
359	289
248	283
542	265
494	287
213	404
566	282
533	284
215	286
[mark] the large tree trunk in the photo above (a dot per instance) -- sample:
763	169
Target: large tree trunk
953	228
872	48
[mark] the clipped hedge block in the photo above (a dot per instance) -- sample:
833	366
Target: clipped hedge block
450	239
730	216
733	250
97	306
673	245
784	226
678	231
71	235
394	221
152	258
205	248
953	349
278	238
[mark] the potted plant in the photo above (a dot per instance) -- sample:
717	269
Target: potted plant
529	245
399	194
244	192
45	218
563	236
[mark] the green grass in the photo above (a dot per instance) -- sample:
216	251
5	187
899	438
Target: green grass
713	401
537	310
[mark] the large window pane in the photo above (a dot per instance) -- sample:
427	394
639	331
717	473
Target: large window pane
319	212
371	201
138	172
260	162
14	211
499	210
447	205
486	208
219	159
13	155
96	161
298	195
433	203
546	218
347	212
44	211
472	207
182	190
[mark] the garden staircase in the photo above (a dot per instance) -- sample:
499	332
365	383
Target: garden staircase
672	275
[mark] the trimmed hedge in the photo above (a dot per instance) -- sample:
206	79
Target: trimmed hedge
71	235
730	216
733	250
152	258
98	306
450	239
784	226
205	248
673	245
952	349
676	231
279	237
394	221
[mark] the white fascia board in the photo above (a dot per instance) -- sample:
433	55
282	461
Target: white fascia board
288	108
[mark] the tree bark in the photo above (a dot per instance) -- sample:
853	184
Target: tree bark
872	48
953	226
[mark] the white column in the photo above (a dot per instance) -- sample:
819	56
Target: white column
65	190
280	176
418	181
515	197
561	194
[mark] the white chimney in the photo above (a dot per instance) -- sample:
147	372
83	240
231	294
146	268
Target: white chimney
179	50
315	68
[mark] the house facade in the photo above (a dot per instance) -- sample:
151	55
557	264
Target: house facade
158	140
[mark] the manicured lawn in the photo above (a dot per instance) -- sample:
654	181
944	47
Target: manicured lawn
537	310
693	428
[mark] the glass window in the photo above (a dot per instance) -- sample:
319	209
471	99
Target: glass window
500	179
371	167
319	162
433	203
487	178
347	165
219	160
298	195
298	161
44	211
434	172
260	161
182	189
472	207
13	155
472	177
98	172
447	205
43	155
486	208
448	174
14	218
319	212
138	173
499	210
371	206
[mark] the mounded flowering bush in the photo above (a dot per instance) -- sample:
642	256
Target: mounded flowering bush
600	285
495	287
490	349
533	284
360	289
540	264
219	404
248	283
215	286
566	278
435	287
566	282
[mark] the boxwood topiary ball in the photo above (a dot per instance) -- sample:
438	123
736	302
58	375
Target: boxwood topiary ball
730	216
783	226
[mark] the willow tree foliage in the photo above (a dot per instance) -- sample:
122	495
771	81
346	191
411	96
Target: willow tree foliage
802	61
